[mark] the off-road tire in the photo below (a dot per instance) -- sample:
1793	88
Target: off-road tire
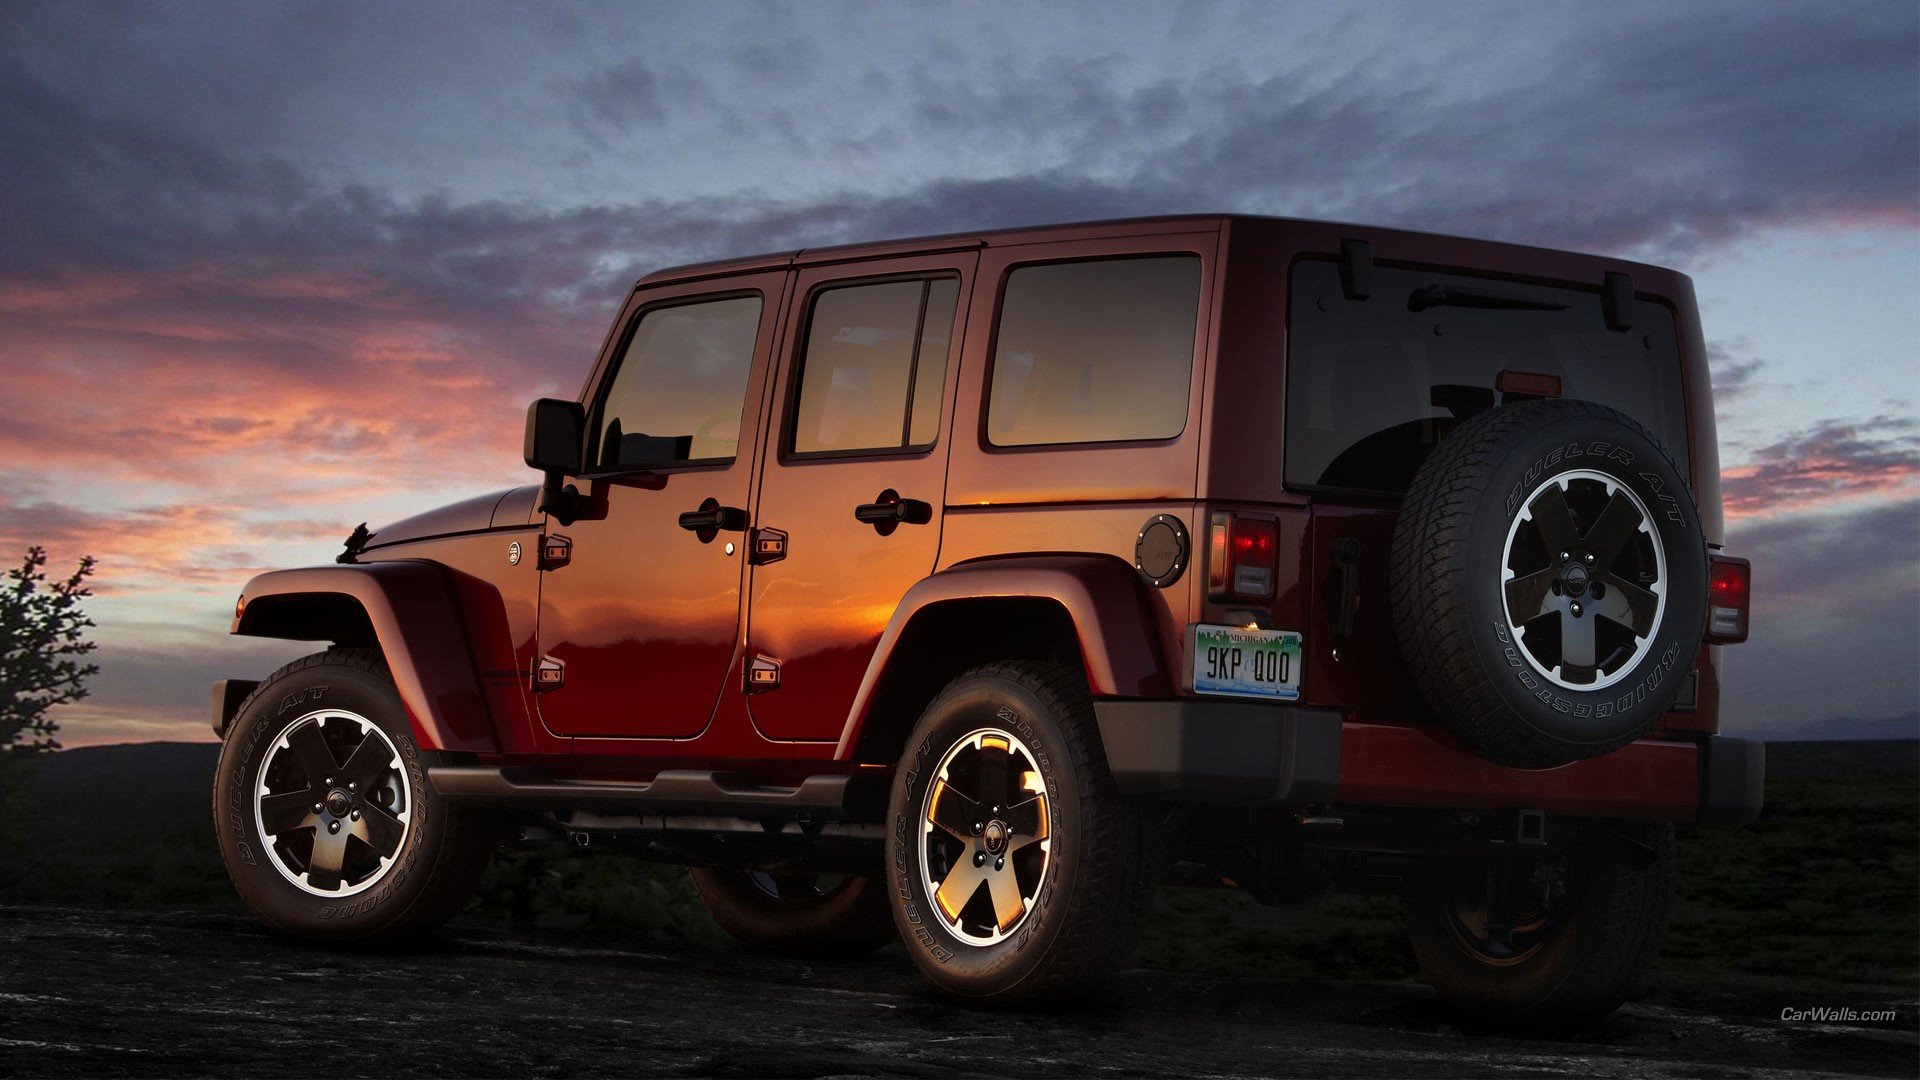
1099	879
849	919
1611	925
436	867
1456	525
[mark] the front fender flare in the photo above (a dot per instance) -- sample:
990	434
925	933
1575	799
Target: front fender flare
414	620
1102	596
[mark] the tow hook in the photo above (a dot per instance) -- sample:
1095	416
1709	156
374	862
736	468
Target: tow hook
1530	827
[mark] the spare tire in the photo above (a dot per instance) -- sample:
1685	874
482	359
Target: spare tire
1549	581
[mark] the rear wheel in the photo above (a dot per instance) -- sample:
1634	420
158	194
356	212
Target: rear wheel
811	914
1554	943
1017	871
325	819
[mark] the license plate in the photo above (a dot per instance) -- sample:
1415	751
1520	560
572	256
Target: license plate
1237	662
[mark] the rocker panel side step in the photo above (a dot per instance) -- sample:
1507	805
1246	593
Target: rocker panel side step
837	797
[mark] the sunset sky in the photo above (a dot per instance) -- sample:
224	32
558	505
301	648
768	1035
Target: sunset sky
267	271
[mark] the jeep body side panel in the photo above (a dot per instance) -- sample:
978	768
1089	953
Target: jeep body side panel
1102	597
414	621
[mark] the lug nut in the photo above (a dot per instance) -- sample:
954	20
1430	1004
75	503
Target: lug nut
1587	558
1564	556
1576	611
328	781
978	828
356	787
355	815
1599	590
979	857
999	864
333	826
317	807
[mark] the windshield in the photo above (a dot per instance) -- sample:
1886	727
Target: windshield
1373	385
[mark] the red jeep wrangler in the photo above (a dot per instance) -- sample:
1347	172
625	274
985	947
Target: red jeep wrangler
960	589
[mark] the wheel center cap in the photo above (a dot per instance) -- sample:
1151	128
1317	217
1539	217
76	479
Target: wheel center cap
339	803
995	837
1574	578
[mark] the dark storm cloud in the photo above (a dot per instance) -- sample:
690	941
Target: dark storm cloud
1658	135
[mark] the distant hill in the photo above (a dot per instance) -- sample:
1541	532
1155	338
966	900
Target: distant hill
1845	729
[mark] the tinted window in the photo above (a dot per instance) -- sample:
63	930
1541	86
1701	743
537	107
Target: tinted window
1094	352
874	368
678	392
1373	384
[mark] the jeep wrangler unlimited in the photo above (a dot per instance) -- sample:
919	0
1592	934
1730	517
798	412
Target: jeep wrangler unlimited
959	590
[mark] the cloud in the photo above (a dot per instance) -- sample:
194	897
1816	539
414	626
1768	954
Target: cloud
1733	372
1833	461
1834	619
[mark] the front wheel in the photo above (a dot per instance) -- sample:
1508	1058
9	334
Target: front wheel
1018	872
325	819
1548	944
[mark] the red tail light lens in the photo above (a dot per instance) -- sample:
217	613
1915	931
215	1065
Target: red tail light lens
1729	587
1244	556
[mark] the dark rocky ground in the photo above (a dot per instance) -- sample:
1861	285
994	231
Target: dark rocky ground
141	994
122	952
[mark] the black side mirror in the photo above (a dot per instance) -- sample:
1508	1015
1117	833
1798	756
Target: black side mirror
555	436
555	442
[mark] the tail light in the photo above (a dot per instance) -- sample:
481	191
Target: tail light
1729	585
1244	556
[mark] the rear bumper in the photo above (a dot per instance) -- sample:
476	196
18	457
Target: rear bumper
1251	753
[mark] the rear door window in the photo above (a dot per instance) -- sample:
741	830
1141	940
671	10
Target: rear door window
1373	385
875	367
1098	351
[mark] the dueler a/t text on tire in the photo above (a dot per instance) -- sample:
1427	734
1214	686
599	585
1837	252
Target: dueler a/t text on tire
325	818
1017	870
1549	581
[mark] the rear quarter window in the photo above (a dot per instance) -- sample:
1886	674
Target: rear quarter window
1096	351
1373	385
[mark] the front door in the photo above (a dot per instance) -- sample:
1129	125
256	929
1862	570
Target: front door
853	488
639	623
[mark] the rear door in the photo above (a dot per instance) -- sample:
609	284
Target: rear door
851	493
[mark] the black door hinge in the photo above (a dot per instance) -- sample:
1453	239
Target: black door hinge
766	546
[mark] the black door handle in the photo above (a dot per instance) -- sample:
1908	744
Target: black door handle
890	511
712	518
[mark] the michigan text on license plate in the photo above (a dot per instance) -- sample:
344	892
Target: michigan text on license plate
1238	662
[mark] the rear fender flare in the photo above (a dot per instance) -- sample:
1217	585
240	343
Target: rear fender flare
1101	596
409	614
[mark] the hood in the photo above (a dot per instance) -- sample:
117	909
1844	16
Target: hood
467	515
